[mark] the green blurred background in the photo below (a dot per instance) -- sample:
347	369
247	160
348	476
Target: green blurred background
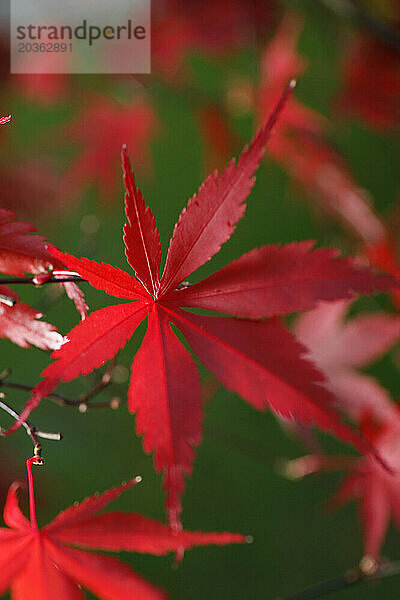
236	485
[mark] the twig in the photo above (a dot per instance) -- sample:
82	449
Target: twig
84	400
83	403
34	281
33	432
368	570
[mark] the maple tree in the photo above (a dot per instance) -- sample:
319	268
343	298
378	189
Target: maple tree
49	562
259	360
313	369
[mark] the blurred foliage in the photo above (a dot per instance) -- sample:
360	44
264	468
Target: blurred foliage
236	485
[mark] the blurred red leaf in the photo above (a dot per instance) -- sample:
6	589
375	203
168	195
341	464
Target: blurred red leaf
340	348
99	133
376	490
371	82
182	26
31	189
301	145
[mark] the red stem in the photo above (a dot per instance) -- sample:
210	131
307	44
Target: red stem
34	460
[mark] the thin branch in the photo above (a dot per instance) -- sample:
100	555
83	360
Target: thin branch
34	281
84	400
33	432
82	403
368	570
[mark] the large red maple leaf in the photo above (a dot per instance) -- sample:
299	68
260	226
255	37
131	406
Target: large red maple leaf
256	358
46	564
340	348
21	253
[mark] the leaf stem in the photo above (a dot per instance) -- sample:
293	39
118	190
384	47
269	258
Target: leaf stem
34	460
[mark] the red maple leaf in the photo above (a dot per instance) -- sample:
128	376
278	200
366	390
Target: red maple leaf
20	324
100	132
21	253
256	358
46	563
4	120
339	348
